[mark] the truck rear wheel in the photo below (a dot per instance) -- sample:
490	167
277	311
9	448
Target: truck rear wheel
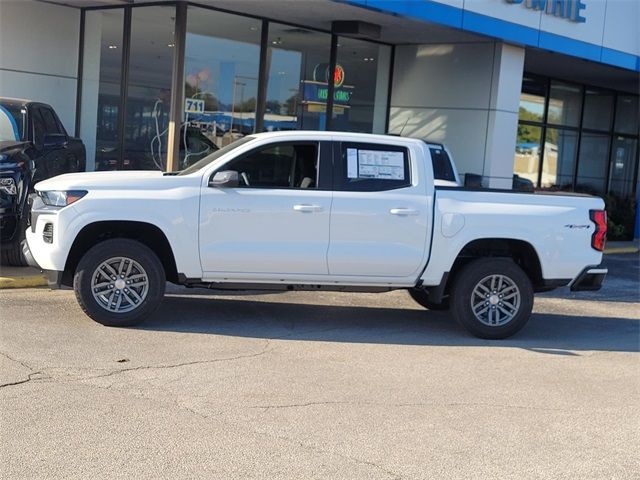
492	298
422	297
119	282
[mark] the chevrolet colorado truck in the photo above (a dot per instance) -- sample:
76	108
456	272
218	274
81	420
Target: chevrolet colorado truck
33	146
314	211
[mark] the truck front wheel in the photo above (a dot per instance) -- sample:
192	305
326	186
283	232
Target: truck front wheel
119	282
492	298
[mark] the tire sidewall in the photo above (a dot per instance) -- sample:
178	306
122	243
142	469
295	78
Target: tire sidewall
466	281
119	248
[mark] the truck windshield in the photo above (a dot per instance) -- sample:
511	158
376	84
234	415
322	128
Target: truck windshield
215	155
12	119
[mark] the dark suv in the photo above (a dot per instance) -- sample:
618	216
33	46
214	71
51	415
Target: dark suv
33	146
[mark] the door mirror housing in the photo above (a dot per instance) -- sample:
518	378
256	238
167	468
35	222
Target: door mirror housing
54	140
225	179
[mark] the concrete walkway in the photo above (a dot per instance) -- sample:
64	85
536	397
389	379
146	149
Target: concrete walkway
27	277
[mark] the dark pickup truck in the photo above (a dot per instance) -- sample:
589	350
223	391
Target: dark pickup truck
34	146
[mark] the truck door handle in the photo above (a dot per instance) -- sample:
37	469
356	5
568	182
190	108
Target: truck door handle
403	211
307	208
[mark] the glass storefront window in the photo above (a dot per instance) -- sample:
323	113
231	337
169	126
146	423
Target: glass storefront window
526	161
532	99
361	86
622	167
598	109
627	112
559	158
593	163
296	87
149	88
101	78
222	60
564	104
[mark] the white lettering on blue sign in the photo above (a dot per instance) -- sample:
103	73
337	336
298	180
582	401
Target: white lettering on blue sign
569	9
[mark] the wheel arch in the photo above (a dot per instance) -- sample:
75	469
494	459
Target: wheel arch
146	233
521	252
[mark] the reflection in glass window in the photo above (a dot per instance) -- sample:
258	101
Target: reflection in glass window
101	76
598	109
592	166
526	161
296	88
564	104
532	99
222	58
361	86
559	158
627	111
149	89
623	162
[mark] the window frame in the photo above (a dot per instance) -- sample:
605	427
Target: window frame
580	129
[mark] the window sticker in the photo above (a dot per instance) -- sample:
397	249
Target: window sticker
381	165
352	163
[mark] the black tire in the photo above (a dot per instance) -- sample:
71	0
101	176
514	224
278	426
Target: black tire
153	273
422	297
13	256
466	281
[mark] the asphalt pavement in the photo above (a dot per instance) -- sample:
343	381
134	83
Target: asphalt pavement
321	385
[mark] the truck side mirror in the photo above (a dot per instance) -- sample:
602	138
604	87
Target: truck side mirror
54	140
225	179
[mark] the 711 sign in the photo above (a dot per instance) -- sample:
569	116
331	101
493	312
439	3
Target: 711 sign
193	105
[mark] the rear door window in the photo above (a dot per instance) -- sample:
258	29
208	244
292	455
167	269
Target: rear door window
372	167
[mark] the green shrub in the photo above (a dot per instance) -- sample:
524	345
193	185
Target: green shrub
622	216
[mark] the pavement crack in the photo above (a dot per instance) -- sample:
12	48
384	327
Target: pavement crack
15	360
183	364
266	408
31	377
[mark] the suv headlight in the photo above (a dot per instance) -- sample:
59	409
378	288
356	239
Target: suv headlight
8	185
60	198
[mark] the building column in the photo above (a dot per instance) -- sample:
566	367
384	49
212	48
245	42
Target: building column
502	121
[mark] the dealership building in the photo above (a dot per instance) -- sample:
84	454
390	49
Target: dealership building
543	89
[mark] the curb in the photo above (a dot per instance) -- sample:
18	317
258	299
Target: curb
23	282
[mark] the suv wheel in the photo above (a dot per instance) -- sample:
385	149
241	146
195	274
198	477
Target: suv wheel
119	282
492	298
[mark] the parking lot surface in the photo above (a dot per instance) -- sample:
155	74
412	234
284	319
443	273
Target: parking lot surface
320	385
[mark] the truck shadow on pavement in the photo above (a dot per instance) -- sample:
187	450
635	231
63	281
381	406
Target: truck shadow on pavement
547	333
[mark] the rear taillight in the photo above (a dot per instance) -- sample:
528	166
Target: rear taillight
599	237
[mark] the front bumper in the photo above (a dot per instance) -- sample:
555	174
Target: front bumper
589	280
54	277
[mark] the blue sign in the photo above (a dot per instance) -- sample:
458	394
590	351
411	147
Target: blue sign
569	9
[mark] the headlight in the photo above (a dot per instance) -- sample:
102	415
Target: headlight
59	198
8	185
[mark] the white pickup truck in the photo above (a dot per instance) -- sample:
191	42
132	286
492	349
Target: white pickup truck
314	211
